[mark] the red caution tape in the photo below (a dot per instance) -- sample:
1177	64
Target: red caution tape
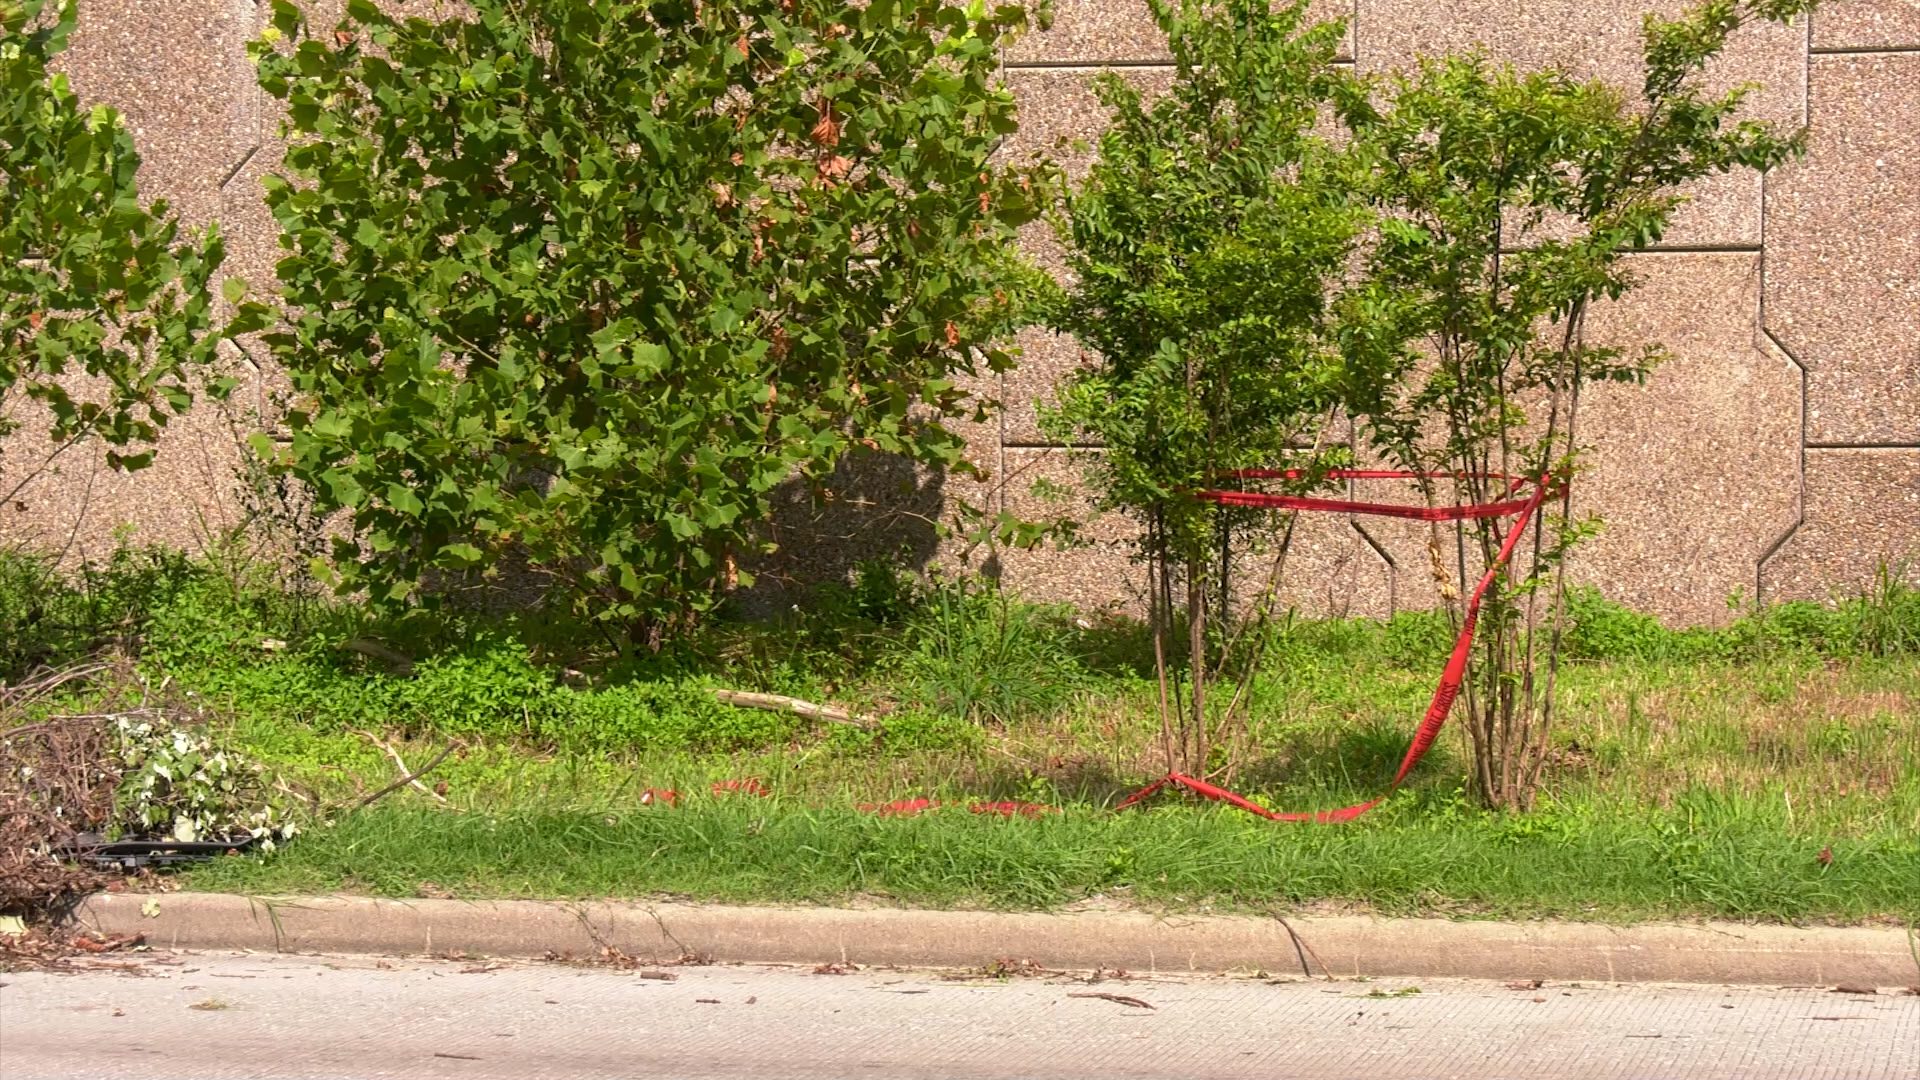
900	807
749	786
1349	506
1456	670
1010	809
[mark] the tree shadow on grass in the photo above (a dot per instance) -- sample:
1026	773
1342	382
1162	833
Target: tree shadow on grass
1316	771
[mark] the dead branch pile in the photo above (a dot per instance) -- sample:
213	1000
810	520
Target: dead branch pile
57	780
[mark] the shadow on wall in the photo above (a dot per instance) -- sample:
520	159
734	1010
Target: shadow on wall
873	506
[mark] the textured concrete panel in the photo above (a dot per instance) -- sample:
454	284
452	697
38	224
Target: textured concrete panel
1123	30
1329	570
1843	251
1862	510
1045	359
178	72
171	69
1601	40
873	507
1694	474
1097	574
1058	105
1590	40
1868	24
81	509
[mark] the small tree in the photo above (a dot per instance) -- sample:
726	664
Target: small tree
587	281
106	322
1203	244
1507	205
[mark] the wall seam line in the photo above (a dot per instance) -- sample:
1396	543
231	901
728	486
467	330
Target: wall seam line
1865	50
1800	487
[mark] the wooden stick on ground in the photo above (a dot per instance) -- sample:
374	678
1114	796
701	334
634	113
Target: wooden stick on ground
780	703
407	776
411	778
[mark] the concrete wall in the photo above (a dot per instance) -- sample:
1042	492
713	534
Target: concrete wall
1779	451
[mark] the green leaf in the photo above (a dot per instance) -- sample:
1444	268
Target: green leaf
404	500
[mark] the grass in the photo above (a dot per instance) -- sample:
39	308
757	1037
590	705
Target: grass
1682	790
1767	771
1713	857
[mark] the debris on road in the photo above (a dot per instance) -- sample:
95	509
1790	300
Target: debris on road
1120	999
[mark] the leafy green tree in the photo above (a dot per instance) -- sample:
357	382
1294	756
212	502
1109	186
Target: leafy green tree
587	281
106	320
1507	206
1204	244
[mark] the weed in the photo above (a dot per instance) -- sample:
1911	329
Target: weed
1885	621
979	654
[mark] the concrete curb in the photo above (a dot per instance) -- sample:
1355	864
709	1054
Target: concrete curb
1347	946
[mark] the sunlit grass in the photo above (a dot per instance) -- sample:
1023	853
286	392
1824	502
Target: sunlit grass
1677	790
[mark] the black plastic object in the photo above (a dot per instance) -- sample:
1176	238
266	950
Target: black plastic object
103	854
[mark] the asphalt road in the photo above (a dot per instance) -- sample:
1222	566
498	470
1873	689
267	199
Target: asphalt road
205	1016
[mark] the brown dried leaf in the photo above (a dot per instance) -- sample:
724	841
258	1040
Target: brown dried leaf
827	131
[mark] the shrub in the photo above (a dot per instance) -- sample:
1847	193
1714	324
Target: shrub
1506	205
1202	245
586	282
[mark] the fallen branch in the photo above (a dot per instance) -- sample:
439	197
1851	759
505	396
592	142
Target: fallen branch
402	665
1302	949
407	776
15	699
411	778
743	699
1120	999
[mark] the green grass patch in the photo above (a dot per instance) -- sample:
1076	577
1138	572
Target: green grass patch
1769	769
745	850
